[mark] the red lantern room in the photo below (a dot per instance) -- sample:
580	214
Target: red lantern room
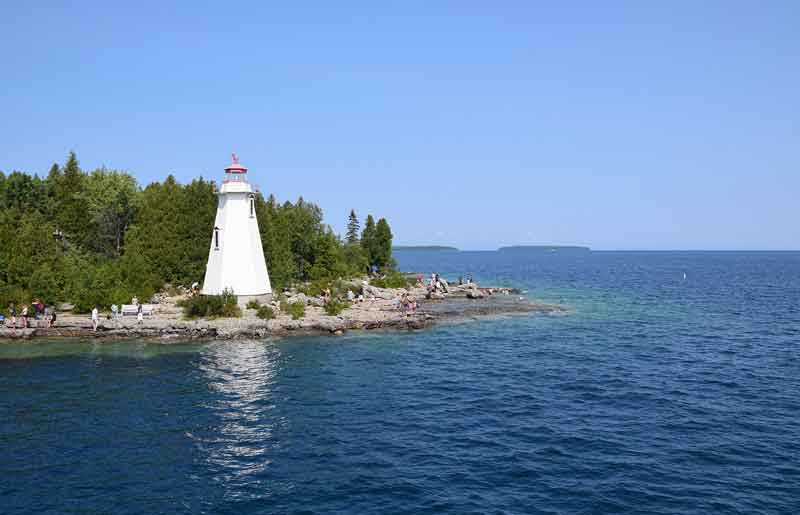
235	172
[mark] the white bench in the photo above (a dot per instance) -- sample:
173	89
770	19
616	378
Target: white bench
133	310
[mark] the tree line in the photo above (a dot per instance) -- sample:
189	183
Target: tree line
98	237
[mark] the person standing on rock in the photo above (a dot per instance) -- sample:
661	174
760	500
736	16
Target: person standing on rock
140	315
24	316
95	318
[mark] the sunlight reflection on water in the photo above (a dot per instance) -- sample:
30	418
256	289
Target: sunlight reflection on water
241	375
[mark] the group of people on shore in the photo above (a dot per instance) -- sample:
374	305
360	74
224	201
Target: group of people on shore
468	280
437	285
40	312
116	313
407	304
352	298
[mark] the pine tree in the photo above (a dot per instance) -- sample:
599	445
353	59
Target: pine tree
69	196
157	234
196	225
51	186
383	246
353	228
368	241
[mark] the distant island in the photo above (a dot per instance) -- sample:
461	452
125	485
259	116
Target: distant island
544	248
422	247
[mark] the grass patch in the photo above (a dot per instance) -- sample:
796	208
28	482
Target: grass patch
253	304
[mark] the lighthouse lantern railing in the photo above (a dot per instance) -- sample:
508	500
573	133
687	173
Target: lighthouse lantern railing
235	172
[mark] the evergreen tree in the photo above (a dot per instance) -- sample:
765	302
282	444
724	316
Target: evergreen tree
275	239
368	241
327	258
23	193
197	215
382	258
28	245
51	185
70	202
353	228
156	235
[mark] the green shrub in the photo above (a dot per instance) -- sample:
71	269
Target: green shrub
265	313
334	307
318	287
393	279
211	306
16	295
296	310
253	304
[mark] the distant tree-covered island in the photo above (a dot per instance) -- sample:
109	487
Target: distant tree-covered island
96	238
544	248
423	247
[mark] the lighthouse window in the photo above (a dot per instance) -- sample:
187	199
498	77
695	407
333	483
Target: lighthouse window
216	238
252	206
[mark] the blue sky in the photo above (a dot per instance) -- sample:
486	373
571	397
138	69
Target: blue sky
632	125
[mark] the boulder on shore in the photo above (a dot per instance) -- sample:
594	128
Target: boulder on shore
475	293
379	293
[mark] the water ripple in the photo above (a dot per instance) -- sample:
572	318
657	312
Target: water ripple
652	396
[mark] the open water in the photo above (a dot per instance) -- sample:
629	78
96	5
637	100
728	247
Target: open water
654	395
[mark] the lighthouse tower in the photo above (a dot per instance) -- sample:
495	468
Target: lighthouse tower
236	259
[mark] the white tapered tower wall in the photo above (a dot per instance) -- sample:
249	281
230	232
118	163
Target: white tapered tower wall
236	257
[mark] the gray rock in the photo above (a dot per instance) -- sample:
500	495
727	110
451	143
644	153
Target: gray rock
299	297
379	293
475	294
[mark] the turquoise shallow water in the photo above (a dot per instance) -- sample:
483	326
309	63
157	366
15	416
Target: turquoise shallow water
655	395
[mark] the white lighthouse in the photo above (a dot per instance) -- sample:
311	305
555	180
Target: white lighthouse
236	259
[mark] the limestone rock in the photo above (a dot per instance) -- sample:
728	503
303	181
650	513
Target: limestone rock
475	293
378	293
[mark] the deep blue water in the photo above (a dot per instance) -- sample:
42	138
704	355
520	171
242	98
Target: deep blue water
654	395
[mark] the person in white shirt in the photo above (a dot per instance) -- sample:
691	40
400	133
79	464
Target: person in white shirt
95	318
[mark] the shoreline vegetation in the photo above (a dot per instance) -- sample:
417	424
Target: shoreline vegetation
76	240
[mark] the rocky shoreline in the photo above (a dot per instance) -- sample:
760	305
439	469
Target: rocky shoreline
378	311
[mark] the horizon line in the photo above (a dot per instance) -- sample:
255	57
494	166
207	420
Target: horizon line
453	248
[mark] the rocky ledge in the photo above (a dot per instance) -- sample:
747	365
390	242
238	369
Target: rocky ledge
378	311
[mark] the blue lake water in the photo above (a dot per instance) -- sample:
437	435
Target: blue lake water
654	395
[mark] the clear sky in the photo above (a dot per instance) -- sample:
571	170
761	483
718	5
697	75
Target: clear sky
636	125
